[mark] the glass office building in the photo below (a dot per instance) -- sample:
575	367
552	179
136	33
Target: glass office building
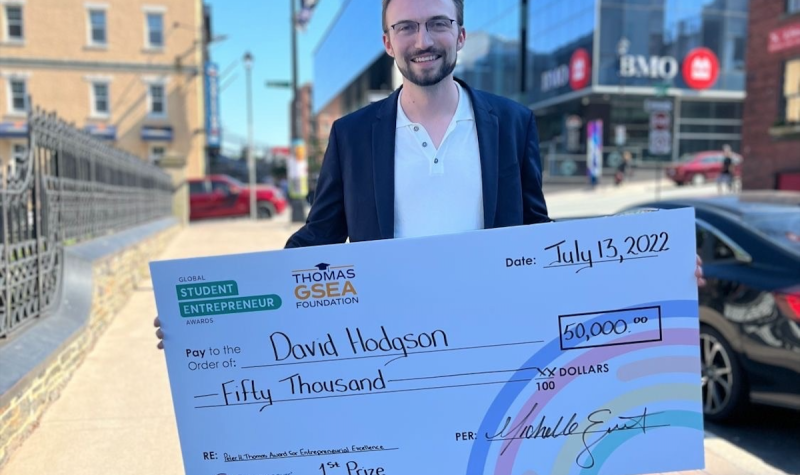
582	61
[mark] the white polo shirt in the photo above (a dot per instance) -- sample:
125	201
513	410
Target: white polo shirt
437	191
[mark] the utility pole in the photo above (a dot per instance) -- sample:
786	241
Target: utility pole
295	189
251	166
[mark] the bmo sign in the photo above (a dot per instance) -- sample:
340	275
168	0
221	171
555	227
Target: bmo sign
577	74
700	68
654	67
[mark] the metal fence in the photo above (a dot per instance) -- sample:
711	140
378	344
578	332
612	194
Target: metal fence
68	188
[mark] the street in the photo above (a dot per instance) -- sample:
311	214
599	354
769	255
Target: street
770	434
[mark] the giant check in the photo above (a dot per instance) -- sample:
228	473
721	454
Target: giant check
559	348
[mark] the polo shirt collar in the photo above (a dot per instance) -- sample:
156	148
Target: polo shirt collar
463	110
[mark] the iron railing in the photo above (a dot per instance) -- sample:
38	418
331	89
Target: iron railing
68	188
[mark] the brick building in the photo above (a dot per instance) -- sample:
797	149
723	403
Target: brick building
126	71
771	120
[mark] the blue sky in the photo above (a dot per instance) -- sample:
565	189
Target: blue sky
262	27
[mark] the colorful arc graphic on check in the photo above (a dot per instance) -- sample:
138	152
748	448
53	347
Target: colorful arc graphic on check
644	393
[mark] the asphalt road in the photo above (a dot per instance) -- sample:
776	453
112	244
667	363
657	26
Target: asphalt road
771	434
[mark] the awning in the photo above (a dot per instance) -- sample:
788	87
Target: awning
17	129
151	133
102	131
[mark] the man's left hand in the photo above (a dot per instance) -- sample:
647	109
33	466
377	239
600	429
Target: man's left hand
698	272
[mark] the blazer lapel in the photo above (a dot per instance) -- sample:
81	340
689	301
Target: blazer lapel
488	130
383	137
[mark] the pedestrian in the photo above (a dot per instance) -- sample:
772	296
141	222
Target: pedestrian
436	156
622	168
725	178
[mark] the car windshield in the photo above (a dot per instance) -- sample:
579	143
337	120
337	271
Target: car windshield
233	181
781	226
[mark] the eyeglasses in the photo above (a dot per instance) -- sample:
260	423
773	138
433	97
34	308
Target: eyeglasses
434	25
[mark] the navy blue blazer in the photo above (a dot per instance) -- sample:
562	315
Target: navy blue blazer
355	190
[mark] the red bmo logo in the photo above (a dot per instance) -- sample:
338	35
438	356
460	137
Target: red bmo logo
580	69
700	68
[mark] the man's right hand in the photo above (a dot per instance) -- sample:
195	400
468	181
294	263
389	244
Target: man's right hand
159	333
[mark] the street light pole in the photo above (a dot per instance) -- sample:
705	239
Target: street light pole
251	166
298	209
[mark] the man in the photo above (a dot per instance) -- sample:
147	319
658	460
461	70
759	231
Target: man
436	156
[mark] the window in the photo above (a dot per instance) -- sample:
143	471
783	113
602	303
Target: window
18	153
18	96
100	99
157	152
14	30
791	90
158	101
199	187
792	6
155	30
220	186
710	247
97	27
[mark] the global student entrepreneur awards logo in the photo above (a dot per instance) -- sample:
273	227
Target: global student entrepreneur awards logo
325	285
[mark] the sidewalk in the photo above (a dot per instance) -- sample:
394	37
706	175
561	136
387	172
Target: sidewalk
116	415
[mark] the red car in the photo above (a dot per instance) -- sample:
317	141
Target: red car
701	167
217	196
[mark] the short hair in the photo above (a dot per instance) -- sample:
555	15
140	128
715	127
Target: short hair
459	13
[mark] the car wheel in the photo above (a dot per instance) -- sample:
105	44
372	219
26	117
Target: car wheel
722	376
266	210
698	179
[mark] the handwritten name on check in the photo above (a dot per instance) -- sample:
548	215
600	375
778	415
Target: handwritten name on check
559	348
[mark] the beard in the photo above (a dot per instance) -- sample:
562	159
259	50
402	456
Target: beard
431	76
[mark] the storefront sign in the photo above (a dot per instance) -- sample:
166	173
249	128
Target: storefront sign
700	68
579	69
17	129
655	67
213	129
577	74
555	78
784	38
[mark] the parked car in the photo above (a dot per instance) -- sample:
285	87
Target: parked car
750	307
217	196
701	167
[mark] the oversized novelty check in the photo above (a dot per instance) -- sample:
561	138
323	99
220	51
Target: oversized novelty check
558	348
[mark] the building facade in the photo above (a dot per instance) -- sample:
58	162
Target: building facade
576	64
771	135
128	71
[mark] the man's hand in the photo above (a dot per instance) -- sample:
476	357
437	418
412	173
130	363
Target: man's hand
159	333
698	272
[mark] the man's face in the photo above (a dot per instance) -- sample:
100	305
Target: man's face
425	54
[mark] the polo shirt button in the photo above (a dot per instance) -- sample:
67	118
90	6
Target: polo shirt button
424	144
416	129
435	160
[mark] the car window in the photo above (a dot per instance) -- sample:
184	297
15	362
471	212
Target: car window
220	186
198	187
712	159
782	228
710	247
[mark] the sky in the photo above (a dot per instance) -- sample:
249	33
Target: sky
263	28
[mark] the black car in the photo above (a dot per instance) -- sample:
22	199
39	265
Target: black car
750	307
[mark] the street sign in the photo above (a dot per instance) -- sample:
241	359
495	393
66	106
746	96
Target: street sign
653	106
660	120
660	142
620	135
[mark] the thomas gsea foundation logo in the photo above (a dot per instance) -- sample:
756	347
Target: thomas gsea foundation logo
325	285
